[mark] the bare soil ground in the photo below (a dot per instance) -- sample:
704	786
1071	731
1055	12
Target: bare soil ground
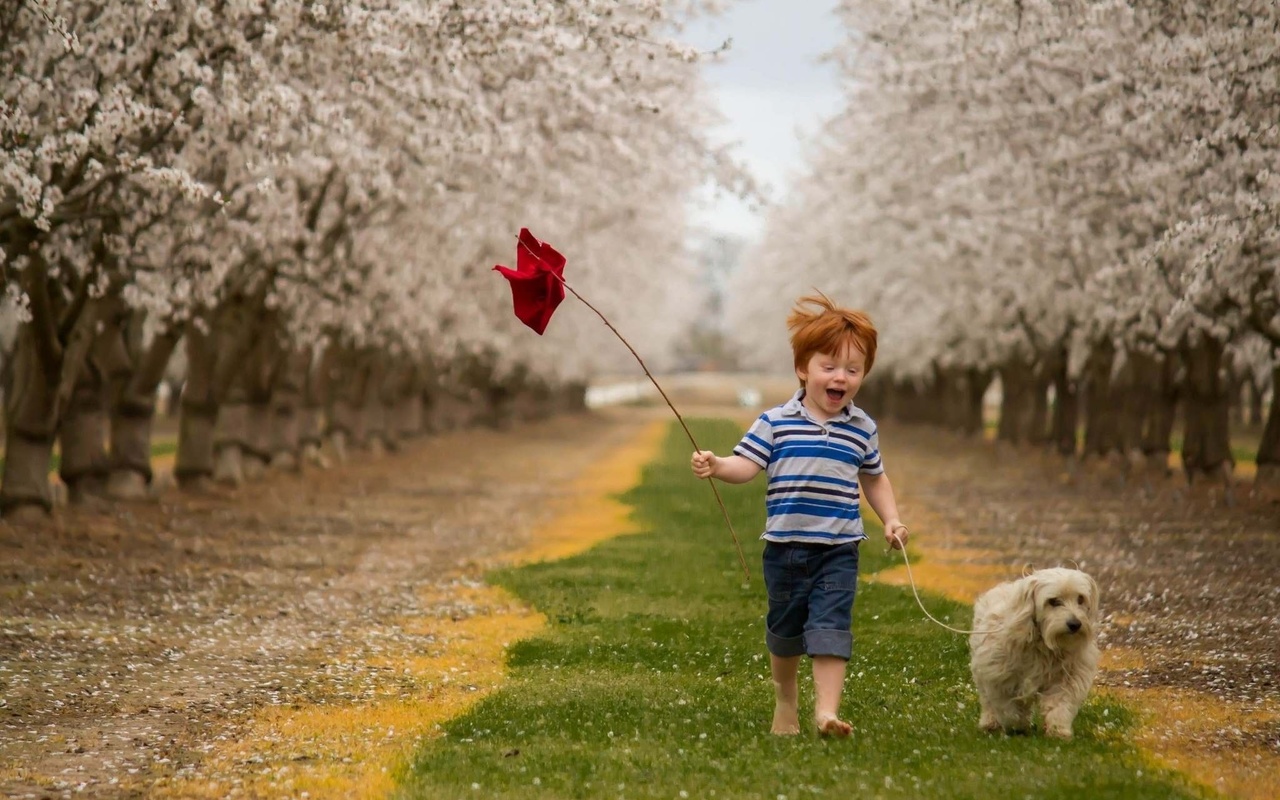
136	640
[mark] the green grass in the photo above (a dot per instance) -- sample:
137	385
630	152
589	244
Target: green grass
652	682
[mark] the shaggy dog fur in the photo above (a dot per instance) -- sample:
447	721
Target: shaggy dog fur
1034	642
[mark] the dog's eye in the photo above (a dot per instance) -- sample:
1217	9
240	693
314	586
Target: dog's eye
1080	600
1055	602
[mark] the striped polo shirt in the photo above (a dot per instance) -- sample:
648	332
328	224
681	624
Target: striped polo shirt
812	469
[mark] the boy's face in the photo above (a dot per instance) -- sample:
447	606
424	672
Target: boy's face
831	380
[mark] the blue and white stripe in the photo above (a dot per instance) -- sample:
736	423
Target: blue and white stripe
812	470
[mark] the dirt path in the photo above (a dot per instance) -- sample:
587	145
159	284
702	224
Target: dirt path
1190	588
195	647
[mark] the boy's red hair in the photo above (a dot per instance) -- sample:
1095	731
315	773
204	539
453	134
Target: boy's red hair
828	329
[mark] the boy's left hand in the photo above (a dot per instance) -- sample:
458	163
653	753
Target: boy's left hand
896	534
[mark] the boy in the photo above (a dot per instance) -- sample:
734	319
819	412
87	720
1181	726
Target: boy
818	449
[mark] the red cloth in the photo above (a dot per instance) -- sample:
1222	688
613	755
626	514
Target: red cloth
537	285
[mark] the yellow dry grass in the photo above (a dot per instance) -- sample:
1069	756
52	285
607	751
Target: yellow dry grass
590	514
351	750
354	749
1177	723
950	567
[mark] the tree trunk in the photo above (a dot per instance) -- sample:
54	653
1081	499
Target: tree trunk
1066	409
572	397
1206	444
974	389
86	463
1159	375
315	398
285	428
345	422
407	412
242	440
1267	481
229	440
947	387
1236	381
1101	438
194	465
1037	430
82	437
1255	402
257	447
476	385
215	355
450	411
30	426
133	412
375	411
1017	402
45	373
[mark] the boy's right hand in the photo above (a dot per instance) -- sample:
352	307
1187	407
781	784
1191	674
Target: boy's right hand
703	463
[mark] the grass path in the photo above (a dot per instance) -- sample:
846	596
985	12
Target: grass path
650	681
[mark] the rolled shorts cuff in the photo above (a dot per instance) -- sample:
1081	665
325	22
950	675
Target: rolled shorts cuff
784	646
829	643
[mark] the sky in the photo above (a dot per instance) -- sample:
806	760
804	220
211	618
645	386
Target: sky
771	89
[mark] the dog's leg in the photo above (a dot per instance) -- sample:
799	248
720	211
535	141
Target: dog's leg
987	720
1016	717
1001	712
1059	707
1061	702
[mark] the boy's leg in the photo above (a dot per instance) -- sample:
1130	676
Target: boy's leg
828	639
784	634
828	685
786	708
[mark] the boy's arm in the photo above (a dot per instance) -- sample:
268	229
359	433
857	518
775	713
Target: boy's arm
879	493
730	469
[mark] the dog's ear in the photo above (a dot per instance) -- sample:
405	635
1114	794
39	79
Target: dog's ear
1022	625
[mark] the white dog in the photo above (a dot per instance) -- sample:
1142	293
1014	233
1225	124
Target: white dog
1034	641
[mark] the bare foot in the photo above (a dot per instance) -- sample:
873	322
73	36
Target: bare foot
786	720
832	726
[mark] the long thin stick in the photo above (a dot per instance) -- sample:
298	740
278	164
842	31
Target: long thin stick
741	559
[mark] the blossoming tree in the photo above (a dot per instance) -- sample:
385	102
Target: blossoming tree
304	198
1077	197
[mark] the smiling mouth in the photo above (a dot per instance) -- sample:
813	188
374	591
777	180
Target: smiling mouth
834	396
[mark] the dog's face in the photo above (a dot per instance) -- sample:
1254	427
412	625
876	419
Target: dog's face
1064	605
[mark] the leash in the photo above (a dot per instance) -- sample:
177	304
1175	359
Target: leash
912	579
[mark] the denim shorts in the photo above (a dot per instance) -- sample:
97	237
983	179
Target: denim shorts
811	589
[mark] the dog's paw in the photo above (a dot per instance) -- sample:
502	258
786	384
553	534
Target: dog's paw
1058	732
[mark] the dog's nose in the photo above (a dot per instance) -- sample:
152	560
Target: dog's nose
1073	624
